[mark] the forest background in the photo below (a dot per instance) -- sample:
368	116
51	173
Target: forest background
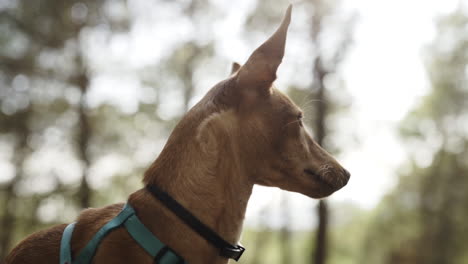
90	90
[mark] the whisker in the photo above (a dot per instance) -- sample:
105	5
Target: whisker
305	99
309	102
307	108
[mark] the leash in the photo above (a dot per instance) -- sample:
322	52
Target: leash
225	248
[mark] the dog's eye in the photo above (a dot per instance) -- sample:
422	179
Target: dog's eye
299	118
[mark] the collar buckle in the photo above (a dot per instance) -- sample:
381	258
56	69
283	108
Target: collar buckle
232	252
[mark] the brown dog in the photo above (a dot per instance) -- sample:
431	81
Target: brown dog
243	132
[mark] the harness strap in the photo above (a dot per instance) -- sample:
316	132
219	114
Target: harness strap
65	248
143	236
87	253
137	230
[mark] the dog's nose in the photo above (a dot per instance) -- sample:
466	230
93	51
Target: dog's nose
346	175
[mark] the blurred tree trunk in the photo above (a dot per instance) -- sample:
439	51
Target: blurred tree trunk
8	217
192	52
321	238
84	130
438	208
321	67
285	233
429	189
318	88
10	199
320	253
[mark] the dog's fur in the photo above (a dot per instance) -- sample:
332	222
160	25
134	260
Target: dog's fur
243	132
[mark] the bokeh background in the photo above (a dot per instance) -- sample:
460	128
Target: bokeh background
90	90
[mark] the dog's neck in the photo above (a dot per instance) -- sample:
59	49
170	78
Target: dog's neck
201	170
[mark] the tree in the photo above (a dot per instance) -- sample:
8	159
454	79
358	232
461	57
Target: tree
324	17
322	67
10	199
423	220
41	62
443	201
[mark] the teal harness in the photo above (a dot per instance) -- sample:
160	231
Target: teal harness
161	253
142	235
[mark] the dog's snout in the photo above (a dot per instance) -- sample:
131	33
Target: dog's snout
346	176
346	173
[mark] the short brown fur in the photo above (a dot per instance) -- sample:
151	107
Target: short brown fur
243	132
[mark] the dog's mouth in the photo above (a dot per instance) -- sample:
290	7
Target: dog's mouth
318	178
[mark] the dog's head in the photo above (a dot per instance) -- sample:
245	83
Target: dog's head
265	126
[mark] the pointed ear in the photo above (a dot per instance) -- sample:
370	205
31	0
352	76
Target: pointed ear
235	67
260	69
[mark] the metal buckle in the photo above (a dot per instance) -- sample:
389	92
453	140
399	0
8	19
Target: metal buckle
232	253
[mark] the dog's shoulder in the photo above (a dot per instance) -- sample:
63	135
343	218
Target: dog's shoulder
90	221
94	214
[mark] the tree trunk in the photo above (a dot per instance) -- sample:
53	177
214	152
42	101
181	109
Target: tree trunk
7	223
321	238
82	81
8	218
320	253
285	233
438	207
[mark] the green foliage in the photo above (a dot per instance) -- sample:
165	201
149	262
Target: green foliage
423	220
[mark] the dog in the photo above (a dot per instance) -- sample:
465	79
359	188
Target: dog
243	132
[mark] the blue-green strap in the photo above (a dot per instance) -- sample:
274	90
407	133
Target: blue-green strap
150	243
65	245
142	235
87	253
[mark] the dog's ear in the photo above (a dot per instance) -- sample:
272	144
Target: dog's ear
235	67
260	69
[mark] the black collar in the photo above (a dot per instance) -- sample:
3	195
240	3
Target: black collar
225	249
